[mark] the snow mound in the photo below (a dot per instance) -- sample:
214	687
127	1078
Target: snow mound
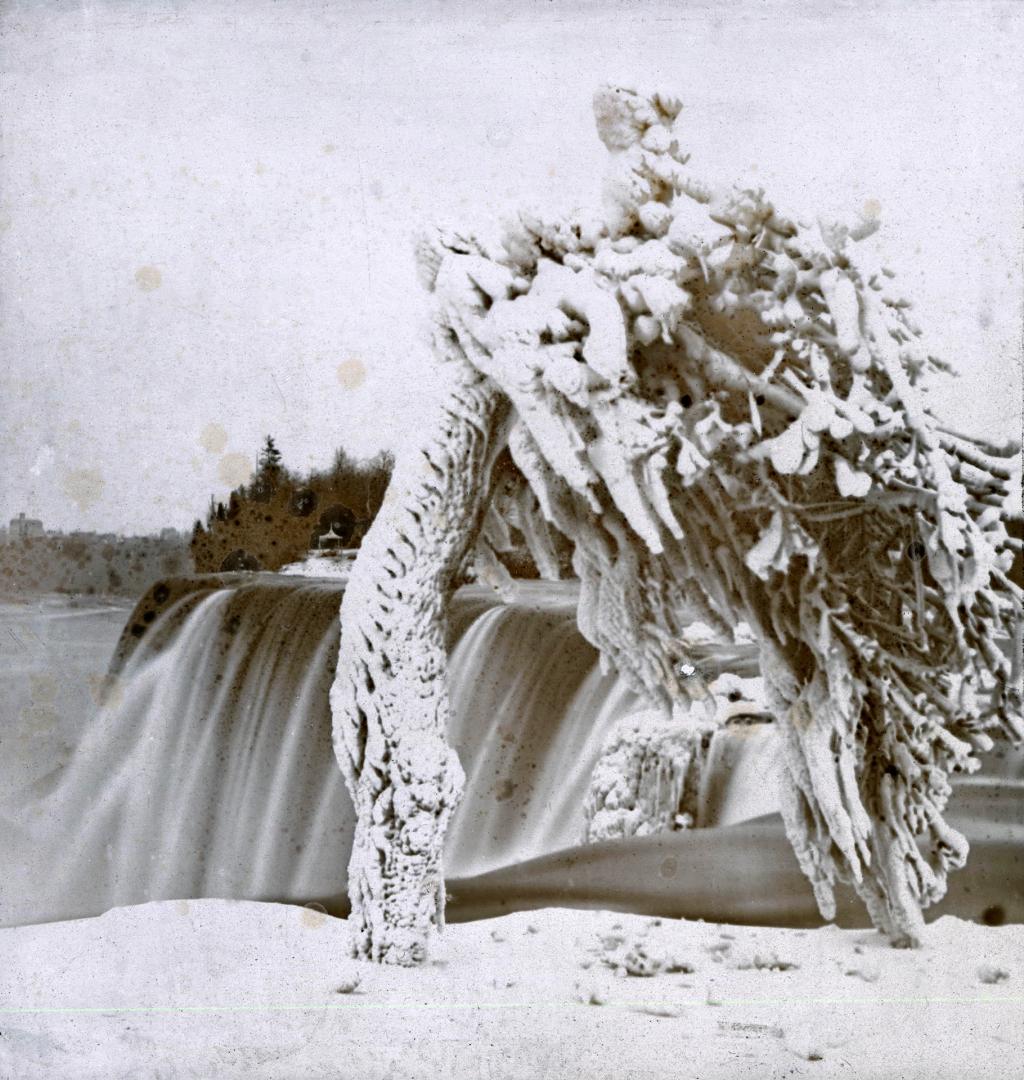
204	988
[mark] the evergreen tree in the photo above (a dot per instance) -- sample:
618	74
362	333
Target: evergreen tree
270	457
280	508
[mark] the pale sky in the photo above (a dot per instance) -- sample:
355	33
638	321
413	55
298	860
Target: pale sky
206	208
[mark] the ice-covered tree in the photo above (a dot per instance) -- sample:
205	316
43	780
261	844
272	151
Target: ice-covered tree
720	410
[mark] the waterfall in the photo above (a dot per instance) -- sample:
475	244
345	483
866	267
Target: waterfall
531	711
208	770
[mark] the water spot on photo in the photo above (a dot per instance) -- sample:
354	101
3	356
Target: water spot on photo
84	487
313	917
105	689
213	438
351	373
148	278
234	469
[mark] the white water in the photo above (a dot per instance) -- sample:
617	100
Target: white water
209	771
532	711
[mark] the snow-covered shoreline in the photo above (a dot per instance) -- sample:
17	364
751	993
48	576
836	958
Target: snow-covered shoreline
218	988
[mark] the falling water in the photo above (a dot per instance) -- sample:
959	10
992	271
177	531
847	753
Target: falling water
531	713
208	771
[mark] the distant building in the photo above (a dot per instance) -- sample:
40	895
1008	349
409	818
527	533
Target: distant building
23	528
171	536
331	541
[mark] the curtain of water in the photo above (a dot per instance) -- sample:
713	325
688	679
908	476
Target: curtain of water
209	770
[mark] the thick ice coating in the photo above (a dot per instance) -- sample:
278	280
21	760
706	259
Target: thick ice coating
718	411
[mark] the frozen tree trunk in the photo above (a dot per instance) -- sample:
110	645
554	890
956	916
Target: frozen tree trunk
389	700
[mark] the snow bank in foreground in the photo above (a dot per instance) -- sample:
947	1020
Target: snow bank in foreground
219	988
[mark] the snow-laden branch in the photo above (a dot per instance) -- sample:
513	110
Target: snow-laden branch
716	410
720	414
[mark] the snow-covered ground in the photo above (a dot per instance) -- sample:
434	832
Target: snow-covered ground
322	566
222	989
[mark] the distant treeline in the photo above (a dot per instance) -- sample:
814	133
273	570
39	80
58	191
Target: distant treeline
91	565
280	515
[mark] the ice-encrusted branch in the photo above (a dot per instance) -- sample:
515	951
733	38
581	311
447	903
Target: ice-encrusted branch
720	414
716	410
